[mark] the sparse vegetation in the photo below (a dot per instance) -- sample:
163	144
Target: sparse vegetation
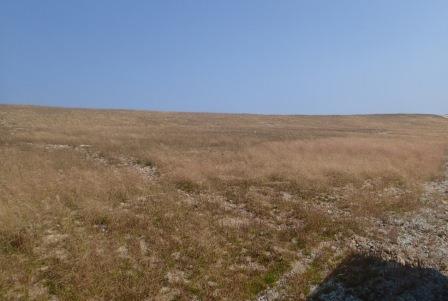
135	205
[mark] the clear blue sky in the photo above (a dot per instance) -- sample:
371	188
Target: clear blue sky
286	57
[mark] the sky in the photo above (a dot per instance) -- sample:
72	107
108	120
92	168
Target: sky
235	56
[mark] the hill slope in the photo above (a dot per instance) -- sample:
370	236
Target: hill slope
167	206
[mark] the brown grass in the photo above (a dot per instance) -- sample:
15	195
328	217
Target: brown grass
235	197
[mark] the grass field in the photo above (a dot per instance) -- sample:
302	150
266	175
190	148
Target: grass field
133	205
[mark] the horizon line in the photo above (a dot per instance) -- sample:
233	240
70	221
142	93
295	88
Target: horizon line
44	106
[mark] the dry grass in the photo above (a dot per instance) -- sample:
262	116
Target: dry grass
233	201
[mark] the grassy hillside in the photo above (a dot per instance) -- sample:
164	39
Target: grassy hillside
175	206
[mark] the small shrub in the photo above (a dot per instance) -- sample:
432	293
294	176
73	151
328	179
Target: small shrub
17	241
187	185
145	162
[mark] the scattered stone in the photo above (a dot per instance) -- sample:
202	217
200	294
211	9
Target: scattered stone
166	294
143	246
234	222
37	292
212	283
123	252
176	276
54	238
176	255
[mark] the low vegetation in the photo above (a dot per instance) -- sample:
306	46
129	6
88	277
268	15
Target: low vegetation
134	205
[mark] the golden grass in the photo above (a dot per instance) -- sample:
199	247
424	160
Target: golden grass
316	160
234	199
